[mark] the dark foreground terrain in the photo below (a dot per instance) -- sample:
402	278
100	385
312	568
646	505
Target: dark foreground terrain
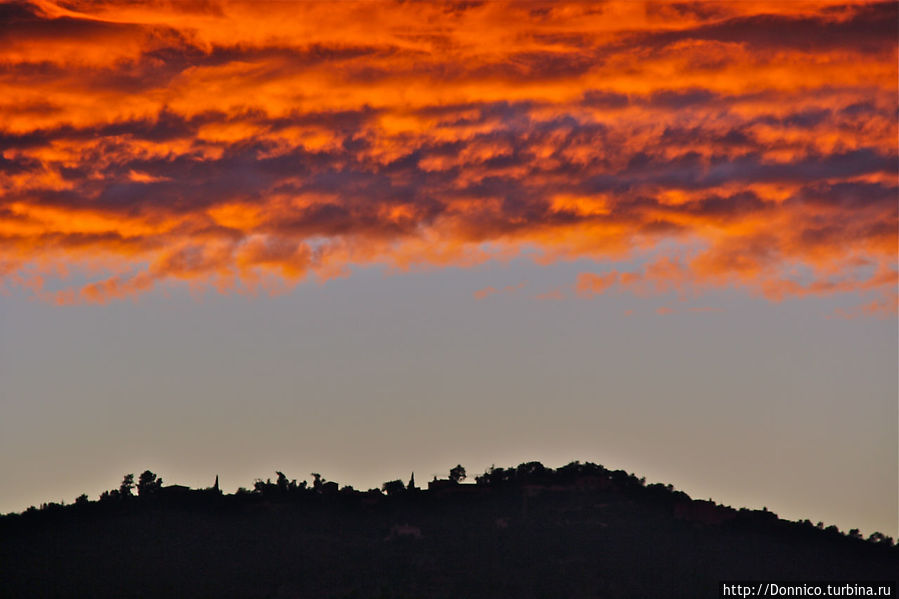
581	531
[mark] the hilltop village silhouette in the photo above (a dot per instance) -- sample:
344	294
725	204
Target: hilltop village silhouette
581	530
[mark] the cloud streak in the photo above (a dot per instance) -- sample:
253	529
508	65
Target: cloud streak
239	148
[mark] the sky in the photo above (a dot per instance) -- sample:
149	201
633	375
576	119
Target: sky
365	239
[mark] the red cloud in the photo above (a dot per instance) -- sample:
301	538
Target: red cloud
232	147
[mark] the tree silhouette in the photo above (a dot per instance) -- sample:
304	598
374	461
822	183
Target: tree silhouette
457	474
148	483
112	495
127	485
534	470
879	537
283	483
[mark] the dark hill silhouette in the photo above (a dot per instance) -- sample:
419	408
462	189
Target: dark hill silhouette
581	531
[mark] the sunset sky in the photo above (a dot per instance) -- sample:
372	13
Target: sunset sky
369	238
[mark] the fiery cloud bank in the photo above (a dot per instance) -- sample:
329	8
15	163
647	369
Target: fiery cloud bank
249	145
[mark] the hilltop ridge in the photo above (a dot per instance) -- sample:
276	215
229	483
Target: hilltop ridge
581	530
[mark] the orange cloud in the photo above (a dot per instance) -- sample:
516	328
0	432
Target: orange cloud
687	276
239	147
883	307
487	291
482	293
